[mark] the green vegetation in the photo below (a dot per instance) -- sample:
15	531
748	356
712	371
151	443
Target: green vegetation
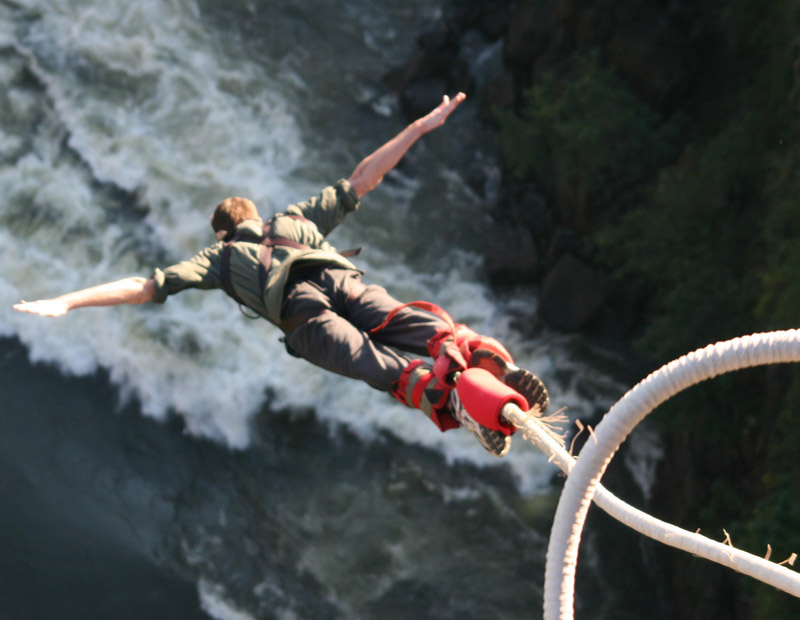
705	213
585	140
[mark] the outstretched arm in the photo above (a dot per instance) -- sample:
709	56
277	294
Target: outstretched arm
128	291
370	172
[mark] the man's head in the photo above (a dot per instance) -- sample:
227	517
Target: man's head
230	213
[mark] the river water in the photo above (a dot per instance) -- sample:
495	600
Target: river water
174	459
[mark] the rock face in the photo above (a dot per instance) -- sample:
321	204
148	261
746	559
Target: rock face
670	57
529	32
571	294
511	255
651	53
433	70
649	48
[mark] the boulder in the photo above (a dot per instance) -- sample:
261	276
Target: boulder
651	54
494	20
510	254
571	294
529	31
423	65
498	95
421	97
593	26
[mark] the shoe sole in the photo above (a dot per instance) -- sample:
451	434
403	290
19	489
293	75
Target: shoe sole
522	381
495	442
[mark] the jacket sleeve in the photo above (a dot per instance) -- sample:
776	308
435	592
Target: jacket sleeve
201	271
329	208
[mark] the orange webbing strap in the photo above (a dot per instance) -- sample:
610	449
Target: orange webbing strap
419	388
443	346
450	348
422	305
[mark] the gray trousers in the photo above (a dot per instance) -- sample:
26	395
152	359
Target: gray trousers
341	310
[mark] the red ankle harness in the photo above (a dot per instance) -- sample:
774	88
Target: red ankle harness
428	388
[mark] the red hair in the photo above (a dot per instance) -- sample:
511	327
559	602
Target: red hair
230	213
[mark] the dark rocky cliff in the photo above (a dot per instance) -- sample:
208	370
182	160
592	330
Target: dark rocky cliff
690	80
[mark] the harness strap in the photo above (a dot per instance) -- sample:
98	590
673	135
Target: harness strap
422	305
227	284
268	241
265	256
418	387
451	348
225	272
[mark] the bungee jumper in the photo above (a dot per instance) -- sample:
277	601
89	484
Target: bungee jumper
284	271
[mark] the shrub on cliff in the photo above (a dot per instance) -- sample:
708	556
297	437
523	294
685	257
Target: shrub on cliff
585	139
713	234
718	243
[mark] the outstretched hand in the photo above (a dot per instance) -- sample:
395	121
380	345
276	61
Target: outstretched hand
43	307
439	114
369	173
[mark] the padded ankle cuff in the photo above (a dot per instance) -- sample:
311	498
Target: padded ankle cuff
420	389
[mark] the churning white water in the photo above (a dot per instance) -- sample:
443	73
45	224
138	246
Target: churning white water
124	123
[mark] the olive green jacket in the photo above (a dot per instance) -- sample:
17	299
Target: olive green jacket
203	271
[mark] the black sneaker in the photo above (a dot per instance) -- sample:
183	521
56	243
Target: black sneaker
522	381
494	441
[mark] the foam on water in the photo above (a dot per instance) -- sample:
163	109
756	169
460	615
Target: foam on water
212	601
122	124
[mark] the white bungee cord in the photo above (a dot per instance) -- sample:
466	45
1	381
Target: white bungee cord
584	474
